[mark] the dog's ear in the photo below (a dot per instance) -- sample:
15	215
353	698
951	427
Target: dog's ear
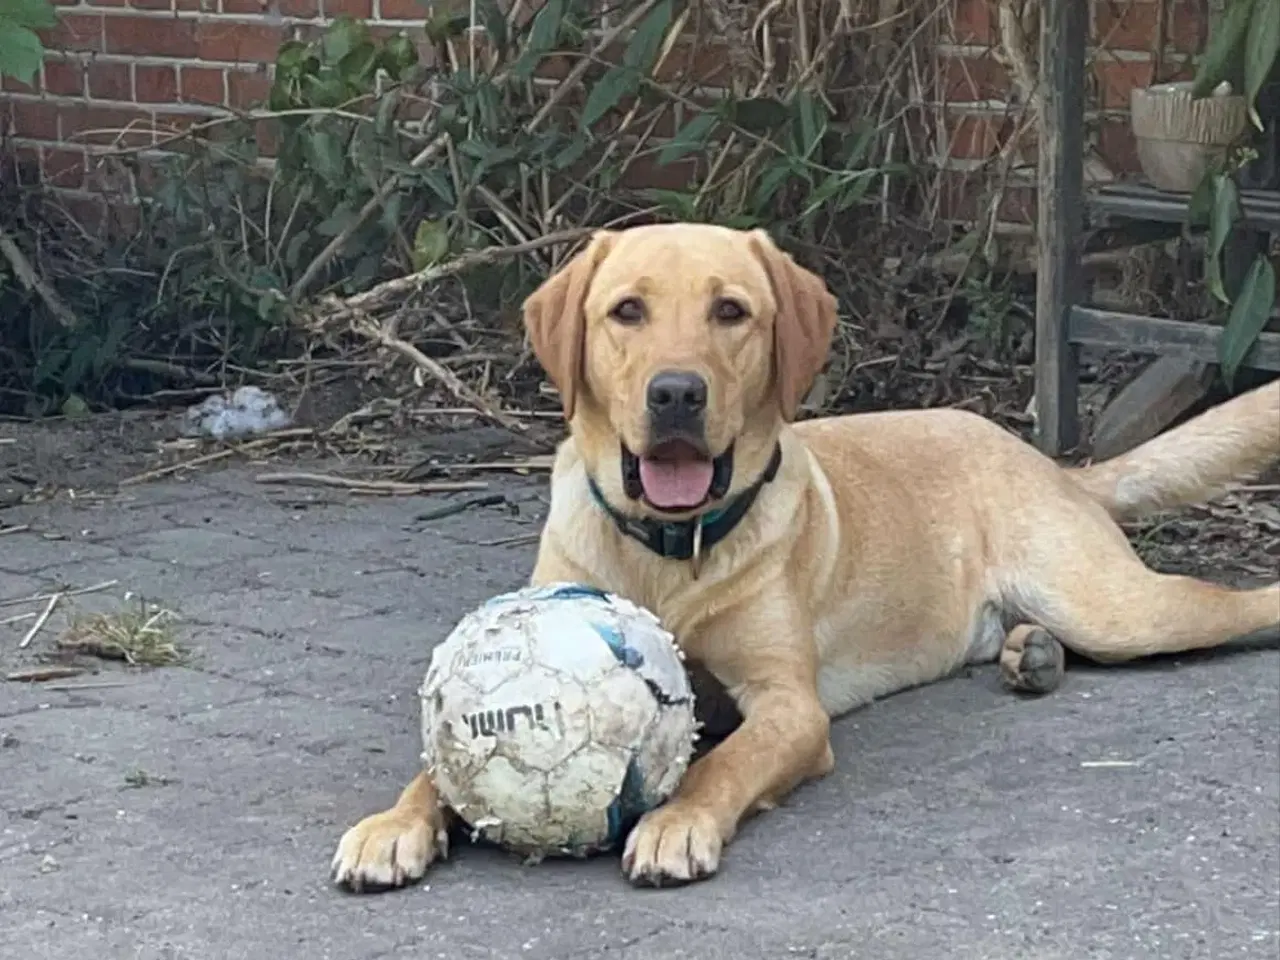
803	326
555	317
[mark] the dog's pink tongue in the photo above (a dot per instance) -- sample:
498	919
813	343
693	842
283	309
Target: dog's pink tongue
672	484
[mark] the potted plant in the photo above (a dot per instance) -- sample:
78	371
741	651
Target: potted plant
1240	57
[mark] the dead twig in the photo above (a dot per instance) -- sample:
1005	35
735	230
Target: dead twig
200	461
20	528
367	486
40	621
27	276
462	506
42	674
39	597
395	290
384	335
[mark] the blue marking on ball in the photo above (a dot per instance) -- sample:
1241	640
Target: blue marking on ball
627	655
628	806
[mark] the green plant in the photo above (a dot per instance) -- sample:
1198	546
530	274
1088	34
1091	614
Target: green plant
1243	47
21	50
396	154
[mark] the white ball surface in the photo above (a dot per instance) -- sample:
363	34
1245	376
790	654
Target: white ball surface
553	716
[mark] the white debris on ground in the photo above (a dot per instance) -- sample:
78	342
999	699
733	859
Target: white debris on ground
248	411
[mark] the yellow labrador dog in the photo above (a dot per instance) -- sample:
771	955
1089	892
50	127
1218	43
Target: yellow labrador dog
811	568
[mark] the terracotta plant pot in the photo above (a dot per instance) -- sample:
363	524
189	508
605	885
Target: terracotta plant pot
1178	136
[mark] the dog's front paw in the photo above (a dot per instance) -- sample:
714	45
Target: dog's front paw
671	845
389	850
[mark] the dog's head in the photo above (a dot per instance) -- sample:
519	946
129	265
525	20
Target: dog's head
679	350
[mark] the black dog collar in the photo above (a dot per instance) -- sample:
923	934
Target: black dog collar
688	539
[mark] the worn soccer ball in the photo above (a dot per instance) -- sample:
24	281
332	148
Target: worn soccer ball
554	716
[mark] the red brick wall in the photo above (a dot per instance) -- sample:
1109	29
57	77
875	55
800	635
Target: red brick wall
119	70
981	112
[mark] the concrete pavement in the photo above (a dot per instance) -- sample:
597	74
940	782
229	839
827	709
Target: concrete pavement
190	812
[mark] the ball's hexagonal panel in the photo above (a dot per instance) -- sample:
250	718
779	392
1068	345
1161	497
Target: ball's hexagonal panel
582	794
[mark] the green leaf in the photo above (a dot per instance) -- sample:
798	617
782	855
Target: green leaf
812	118
541	39
759	115
692	136
343	36
336	222
1200	206
1260	52
772	181
74	407
293	252
1222	217
21	52
678	203
430	243
33	14
446	26
1222	56
569	154
1249	315
647	40
326	155
399	55
607	92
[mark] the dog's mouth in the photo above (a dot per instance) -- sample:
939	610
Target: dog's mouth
676	475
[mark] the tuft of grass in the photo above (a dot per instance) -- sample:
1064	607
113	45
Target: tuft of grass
141	634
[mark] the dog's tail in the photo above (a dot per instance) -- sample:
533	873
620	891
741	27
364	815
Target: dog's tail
1196	461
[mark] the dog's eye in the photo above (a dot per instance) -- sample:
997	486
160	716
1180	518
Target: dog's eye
729	311
629	310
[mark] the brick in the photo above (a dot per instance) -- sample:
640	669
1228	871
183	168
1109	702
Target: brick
401	10
962	198
238	42
1131	25
77	32
153	84
204	85
106	3
151	4
63	167
87	212
973	22
254	7
302	9
110	81
359	9
248	89
151	36
64	78
966	79
113	126
12	85
1116	78
1117	146
974	136
25	166
33	119
645	172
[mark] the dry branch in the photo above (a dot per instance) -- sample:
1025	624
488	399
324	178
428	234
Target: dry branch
29	278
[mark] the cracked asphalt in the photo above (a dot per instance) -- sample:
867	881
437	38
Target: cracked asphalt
191	811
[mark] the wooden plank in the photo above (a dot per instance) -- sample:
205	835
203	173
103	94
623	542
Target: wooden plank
1153	400
1061	173
1155	335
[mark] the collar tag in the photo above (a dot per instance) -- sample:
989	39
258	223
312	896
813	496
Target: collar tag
695	555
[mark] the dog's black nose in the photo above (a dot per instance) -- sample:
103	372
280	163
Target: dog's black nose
677	395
